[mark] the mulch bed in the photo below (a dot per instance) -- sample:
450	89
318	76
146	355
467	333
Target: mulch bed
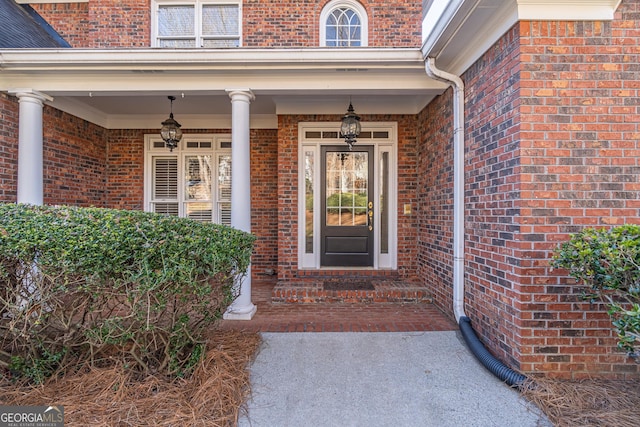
214	395
217	392
593	403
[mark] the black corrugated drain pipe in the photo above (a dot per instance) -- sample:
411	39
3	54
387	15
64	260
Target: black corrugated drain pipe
496	367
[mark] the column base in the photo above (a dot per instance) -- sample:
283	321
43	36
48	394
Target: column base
244	313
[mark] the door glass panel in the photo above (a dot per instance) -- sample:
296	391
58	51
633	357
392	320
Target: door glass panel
308	201
347	188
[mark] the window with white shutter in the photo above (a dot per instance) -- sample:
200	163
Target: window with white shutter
193	181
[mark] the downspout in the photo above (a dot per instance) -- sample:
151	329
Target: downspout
495	366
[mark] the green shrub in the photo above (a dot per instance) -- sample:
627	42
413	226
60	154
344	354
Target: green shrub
90	285
607	261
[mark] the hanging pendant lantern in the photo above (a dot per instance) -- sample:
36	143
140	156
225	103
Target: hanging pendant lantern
350	127
170	132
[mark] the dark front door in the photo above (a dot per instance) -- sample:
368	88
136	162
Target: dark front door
347	206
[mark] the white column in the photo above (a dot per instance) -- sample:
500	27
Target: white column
242	308
30	154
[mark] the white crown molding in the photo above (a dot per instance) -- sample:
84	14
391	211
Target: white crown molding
460	32
567	10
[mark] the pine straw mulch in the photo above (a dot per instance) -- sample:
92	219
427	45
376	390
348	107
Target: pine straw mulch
213	396
592	402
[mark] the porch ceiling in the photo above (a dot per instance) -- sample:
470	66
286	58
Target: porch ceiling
129	88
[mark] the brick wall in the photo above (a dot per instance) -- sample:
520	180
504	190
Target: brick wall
492	191
580	132
264	199
75	153
125	171
8	147
115	24
435	199
100	23
70	20
296	23
125	184
288	191
552	146
74	157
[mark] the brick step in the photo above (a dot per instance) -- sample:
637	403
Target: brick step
348	290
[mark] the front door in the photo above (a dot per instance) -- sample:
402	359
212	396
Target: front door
347	206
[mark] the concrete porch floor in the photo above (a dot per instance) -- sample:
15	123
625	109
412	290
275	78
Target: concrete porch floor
338	316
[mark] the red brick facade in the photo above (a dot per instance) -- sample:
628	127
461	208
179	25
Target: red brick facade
288	192
293	23
8	148
552	145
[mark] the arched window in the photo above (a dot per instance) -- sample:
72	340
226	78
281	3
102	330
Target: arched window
343	23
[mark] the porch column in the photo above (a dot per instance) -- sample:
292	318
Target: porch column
30	155
242	308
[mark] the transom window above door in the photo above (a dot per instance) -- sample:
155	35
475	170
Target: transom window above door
343	23
197	23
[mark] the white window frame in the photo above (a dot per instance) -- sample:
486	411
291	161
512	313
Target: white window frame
386	261
220	145
348	4
198	4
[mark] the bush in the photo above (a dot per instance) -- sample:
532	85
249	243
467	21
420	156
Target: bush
90	285
608	263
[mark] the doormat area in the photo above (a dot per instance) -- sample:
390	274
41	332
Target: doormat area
348	285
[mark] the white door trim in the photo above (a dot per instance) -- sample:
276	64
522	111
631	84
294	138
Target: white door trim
311	136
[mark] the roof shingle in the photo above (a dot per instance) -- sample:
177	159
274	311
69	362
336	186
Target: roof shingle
22	27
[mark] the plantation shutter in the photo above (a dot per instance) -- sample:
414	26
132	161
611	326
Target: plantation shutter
224	189
165	186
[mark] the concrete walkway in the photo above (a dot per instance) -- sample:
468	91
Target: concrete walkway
379	379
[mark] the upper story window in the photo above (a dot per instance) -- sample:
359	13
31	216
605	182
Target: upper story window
343	23
197	23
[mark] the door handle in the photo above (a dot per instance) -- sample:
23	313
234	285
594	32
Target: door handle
370	216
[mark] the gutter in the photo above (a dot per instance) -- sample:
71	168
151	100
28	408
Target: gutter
495	366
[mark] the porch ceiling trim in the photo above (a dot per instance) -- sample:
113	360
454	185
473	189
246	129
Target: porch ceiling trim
206	59
126	88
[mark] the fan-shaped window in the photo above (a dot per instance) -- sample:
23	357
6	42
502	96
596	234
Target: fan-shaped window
343	23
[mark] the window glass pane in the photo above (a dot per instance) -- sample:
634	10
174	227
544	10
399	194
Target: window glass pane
384	203
220	20
166	208
343	28
308	185
197	178
220	43
177	44
199	211
176	21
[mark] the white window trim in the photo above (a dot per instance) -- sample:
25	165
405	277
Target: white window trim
155	4
349	4
309	261
180	152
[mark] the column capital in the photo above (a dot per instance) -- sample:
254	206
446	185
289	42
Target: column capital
240	93
30	95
